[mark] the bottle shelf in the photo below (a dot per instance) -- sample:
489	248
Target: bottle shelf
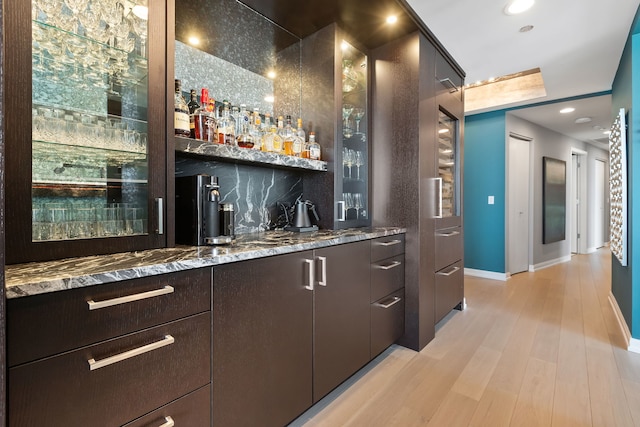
245	155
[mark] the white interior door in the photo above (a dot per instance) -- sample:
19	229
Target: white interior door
599	214
518	205
575	202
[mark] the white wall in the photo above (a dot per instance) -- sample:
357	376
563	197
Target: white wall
552	144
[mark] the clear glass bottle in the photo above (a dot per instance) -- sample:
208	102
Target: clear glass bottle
193	106
288	137
300	140
204	119
181	115
256	129
244	138
277	143
314	147
226	126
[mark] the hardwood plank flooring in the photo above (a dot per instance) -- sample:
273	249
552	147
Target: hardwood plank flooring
542	349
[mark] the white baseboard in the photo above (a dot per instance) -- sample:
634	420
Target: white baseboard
632	343
486	274
591	250
550	263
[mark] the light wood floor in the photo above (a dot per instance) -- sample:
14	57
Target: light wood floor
542	349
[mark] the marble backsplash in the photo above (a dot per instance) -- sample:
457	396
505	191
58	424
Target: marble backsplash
254	191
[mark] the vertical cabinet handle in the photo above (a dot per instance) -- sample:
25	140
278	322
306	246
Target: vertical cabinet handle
160	209
168	422
310	274
97	364
342	212
323	271
439	199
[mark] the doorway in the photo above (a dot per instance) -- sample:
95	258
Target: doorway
599	209
518	204
578	203
575	202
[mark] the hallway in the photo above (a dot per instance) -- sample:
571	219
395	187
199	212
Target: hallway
542	349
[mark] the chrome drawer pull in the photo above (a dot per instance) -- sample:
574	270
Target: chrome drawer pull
390	243
390	266
169	422
309	285
93	364
394	301
448	273
129	298
323	271
448	234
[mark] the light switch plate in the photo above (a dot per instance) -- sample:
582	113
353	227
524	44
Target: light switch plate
491	200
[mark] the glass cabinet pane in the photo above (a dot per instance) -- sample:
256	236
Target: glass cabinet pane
447	164
354	153
89	119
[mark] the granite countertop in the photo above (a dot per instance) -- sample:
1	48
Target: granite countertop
43	277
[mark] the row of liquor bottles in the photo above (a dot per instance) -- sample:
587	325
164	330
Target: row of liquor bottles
240	127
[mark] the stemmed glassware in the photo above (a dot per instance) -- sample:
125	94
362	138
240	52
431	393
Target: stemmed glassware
358	161
347	109
359	114
348	158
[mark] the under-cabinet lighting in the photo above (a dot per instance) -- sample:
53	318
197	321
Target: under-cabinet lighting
271	74
345	45
392	19
194	41
141	12
270	98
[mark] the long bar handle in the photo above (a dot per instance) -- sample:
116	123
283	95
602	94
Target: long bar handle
169	422
390	242
439	200
93	364
342	212
452	86
323	271
309	285
394	301
160	208
448	273
448	234
129	298
390	266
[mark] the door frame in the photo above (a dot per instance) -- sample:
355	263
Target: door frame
529	140
581	216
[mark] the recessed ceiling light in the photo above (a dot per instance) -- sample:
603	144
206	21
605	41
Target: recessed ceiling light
583	120
392	19
515	7
567	110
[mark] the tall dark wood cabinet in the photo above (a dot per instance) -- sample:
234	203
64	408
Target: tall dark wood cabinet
406	163
86	135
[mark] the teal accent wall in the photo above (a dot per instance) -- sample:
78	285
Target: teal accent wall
484	175
626	94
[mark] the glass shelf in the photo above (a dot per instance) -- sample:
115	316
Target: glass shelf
246	156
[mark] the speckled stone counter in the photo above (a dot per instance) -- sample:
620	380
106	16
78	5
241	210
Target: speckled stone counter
37	278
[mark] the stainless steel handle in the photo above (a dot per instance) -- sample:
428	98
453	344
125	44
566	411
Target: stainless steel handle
390	243
309	285
448	273
452	86
93	364
439	199
160	209
323	271
129	298
169	422
390	266
448	234
342	212
394	301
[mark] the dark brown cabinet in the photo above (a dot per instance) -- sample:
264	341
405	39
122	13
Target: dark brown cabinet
85	135
107	356
341	315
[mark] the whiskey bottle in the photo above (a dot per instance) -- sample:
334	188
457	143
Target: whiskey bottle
288	137
299	141
226	126
193	106
204	119
314	147
181	114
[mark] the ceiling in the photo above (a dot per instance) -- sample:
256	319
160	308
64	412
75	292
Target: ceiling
577	44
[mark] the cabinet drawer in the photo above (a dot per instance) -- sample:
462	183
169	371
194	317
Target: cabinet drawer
387	247
448	247
193	409
386	276
449	289
73	389
387	321
47	324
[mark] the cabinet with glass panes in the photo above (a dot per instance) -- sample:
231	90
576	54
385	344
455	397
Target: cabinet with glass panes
86	170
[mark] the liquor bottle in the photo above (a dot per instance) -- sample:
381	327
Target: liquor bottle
204	119
181	114
299	141
267	135
193	106
226	126
277	146
288	137
256	129
244	139
314	147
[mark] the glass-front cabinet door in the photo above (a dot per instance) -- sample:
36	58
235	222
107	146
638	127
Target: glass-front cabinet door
91	174
448	199
353	158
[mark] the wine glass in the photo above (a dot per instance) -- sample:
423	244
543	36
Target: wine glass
347	159
358	204
358	161
359	114
347	109
140	28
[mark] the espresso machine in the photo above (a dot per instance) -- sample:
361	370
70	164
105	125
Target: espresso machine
197	211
